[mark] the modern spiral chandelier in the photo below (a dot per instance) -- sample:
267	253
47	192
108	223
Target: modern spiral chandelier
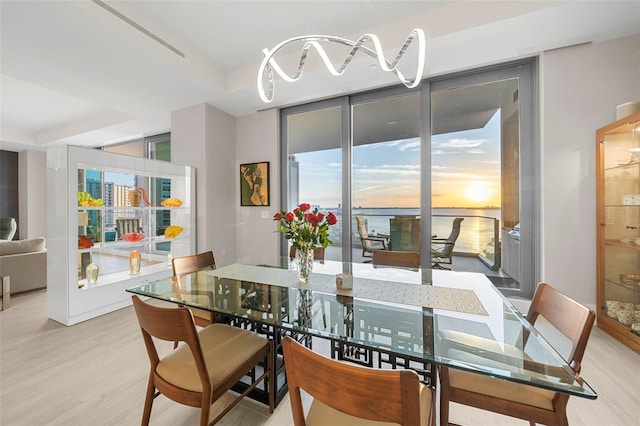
269	64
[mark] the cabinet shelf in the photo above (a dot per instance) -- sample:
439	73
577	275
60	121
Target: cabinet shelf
159	267
134	246
618	243
612	322
632	287
622	166
129	208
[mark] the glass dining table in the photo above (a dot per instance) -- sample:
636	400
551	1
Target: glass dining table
390	318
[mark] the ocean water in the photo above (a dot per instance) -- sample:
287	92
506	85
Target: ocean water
476	232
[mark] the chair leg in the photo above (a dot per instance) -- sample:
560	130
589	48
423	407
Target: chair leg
444	397
439	266
271	362
148	401
204	410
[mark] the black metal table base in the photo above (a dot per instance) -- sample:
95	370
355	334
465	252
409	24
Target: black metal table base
351	352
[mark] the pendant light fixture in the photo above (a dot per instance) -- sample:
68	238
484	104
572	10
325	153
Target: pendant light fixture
269	64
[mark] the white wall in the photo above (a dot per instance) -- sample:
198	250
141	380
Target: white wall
32	197
580	89
204	137
257	141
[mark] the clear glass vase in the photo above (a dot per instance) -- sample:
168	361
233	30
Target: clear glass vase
134	262
304	258
305	307
92	271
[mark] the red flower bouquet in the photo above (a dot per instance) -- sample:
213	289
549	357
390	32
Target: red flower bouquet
305	228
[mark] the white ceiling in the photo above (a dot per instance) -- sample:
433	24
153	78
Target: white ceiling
73	72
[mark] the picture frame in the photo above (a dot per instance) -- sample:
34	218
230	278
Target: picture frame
254	184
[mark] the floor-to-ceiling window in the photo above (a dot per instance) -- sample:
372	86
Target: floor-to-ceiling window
313	162
409	162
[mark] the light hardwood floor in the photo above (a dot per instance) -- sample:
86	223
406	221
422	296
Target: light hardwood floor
95	373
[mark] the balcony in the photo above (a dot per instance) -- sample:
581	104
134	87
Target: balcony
475	249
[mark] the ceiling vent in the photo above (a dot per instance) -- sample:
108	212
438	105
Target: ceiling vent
138	27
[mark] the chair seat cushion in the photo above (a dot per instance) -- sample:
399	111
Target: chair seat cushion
322	415
224	349
503	389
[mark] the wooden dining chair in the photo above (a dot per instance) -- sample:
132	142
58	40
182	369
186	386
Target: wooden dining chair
405	259
569	318
318	253
201	371
348	394
185	265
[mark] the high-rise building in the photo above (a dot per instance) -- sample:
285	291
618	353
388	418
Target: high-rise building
107	199
120	196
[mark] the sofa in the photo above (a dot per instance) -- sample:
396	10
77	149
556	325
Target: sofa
25	262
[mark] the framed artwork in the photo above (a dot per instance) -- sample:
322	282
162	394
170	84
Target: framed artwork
254	184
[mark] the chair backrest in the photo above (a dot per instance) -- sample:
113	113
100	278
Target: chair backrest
127	226
567	316
170	324
193	263
405	231
318	253
362	231
405	259
455	230
447	249
373	394
8	228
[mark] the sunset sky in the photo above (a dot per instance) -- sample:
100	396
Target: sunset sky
465	172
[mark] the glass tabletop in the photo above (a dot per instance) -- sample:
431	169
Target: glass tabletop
456	319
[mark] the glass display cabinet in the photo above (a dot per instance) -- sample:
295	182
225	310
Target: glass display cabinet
115	221
618	239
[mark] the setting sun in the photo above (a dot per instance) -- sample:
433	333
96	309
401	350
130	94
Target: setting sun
478	192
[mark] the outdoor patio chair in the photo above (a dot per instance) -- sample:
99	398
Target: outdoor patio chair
369	243
442	248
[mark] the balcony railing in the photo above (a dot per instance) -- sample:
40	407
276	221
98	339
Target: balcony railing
479	235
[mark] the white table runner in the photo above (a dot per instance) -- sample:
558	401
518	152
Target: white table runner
427	296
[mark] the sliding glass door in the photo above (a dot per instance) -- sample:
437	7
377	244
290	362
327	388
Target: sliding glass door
483	162
385	164
402	165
